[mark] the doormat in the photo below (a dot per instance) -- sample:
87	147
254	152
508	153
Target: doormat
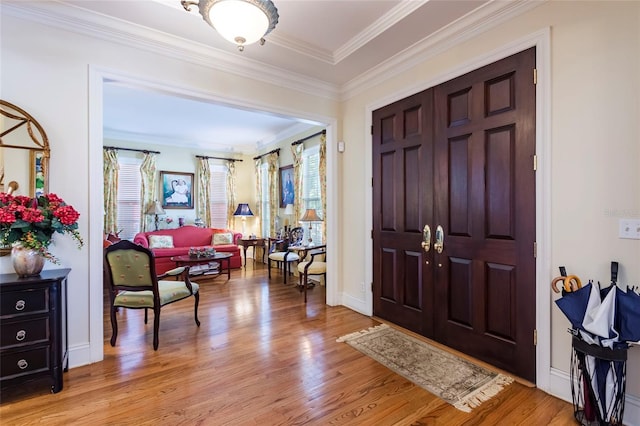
457	381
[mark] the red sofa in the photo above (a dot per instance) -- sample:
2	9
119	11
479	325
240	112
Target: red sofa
186	237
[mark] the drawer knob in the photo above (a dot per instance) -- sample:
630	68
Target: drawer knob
22	364
20	335
20	305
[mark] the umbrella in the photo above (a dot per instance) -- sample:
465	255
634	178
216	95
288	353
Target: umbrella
574	305
604	321
628	317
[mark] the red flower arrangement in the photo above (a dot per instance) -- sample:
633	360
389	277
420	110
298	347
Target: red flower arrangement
32	222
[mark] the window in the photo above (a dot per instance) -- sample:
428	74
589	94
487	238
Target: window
129	189
311	196
265	218
218	195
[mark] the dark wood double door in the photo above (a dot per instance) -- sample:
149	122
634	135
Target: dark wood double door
460	156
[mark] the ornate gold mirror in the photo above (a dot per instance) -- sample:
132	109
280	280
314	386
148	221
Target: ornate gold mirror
24	155
24	152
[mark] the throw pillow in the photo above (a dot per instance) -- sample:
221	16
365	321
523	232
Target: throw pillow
222	238
160	241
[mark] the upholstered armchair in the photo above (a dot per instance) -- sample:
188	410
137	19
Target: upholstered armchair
279	251
133	284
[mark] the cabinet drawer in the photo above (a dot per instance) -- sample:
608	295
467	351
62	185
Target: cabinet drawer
24	301
25	331
18	363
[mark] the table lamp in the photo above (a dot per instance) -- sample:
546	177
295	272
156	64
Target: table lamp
310	216
155	208
243	211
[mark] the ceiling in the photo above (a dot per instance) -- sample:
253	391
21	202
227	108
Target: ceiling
326	45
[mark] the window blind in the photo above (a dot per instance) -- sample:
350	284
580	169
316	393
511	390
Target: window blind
218	195
129	190
311	195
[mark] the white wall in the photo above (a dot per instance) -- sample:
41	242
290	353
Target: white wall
594	146
48	72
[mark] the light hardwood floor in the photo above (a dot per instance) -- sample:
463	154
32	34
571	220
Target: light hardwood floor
260	357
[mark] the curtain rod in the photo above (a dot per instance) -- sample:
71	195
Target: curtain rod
146	151
218	158
277	151
298	142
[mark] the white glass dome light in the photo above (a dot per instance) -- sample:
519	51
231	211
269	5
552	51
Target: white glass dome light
241	22
238	21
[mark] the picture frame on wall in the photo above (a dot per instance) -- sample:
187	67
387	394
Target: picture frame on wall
37	179
287	187
176	190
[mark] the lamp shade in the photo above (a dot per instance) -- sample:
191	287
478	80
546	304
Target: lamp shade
310	216
243	210
155	208
288	210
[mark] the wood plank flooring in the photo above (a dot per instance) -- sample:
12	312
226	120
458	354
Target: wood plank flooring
260	357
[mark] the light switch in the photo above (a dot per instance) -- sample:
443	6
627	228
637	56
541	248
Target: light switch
629	228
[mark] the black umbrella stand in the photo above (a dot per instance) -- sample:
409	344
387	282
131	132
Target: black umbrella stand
597	401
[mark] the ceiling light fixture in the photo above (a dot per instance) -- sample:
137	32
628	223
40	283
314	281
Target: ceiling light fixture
241	22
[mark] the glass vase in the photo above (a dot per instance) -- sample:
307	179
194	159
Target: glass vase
26	262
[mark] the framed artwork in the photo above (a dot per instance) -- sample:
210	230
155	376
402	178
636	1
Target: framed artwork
37	174
176	190
287	191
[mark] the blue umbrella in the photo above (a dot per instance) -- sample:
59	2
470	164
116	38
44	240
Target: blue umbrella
627	321
574	305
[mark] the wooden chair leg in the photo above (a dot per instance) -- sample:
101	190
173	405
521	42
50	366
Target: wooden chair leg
269	267
114	326
304	284
197	297
156	327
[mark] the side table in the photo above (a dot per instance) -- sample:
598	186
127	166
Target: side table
252	242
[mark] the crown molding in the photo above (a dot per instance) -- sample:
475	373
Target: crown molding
132	35
395	15
139	138
467	27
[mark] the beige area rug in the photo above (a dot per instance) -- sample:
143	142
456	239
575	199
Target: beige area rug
458	381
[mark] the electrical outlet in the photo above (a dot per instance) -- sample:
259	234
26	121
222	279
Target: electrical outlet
629	228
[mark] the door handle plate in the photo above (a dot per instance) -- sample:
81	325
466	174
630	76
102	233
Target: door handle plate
439	244
426	238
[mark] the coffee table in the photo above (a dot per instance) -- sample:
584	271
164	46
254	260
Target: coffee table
224	258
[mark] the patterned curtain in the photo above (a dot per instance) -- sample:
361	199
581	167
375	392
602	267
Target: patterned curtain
322	171
297	151
110	207
203	210
272	161
148	190
258	211
231	191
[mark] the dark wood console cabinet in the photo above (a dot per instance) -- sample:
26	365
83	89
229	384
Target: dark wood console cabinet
33	327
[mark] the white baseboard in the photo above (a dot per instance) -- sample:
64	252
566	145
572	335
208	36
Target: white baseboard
79	355
560	387
355	304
